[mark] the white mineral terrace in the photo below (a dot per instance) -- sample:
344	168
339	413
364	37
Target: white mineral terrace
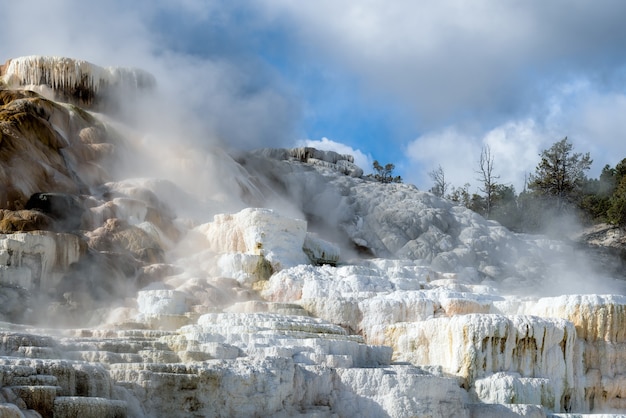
214	308
389	338
60	73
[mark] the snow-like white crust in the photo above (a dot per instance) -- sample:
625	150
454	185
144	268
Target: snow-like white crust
257	315
61	73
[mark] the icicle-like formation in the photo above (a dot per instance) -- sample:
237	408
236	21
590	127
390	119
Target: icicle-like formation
72	77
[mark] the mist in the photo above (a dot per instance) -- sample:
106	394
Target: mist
178	133
223	95
169	252
516	77
216	97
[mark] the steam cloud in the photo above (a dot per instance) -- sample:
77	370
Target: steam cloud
218	93
518	76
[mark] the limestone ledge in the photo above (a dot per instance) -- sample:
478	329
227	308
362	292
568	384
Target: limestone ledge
564	353
73	80
248	364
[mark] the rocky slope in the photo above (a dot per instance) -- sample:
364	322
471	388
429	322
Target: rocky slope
292	287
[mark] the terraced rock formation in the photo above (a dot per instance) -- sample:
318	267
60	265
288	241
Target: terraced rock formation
277	283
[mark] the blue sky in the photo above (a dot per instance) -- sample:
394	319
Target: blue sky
420	84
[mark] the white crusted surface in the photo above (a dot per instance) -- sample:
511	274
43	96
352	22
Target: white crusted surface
60	73
236	300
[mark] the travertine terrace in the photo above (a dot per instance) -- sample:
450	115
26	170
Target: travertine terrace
297	288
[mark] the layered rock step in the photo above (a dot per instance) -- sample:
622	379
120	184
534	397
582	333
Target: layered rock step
75	406
56	387
124	346
226	364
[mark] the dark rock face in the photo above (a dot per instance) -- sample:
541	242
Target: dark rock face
65	209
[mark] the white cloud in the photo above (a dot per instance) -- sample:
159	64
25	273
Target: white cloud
240	104
599	125
455	151
106	33
591	120
524	73
521	75
360	158
515	147
455	58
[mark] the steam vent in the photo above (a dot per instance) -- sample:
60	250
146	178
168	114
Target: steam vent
153	278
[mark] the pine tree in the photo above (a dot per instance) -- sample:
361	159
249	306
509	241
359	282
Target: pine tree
616	214
385	174
560	174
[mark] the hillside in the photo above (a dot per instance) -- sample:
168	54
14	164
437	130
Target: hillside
143	277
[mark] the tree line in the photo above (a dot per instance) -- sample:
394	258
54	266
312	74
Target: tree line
558	189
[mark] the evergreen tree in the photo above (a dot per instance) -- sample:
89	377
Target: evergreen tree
505	207
616	214
385	174
560	175
608	180
597	195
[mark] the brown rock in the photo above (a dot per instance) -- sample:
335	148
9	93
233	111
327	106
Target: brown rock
118	236
48	147
23	221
